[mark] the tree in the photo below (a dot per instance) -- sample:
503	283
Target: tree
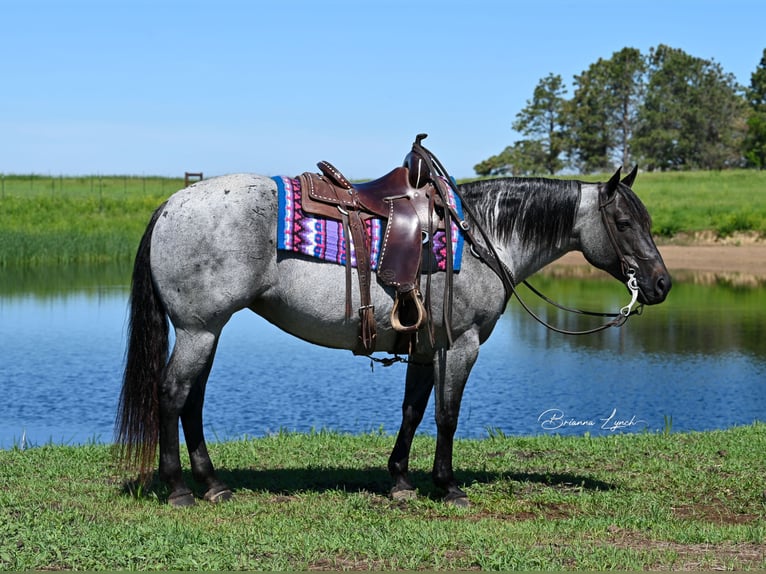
524	157
692	116
603	111
500	164
755	138
668	110
543	121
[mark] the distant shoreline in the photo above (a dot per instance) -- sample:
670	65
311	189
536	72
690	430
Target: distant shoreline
749	259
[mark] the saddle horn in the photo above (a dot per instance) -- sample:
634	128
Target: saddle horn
419	172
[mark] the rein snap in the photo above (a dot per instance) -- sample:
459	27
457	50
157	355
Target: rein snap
632	284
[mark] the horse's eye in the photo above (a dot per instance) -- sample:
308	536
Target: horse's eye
623	225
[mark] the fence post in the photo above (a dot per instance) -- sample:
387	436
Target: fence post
190	176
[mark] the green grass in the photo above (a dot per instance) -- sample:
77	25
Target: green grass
723	202
54	220
690	202
82	220
319	501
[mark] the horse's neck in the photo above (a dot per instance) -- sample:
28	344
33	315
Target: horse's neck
527	258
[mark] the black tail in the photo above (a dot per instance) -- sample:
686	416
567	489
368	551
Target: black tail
137	425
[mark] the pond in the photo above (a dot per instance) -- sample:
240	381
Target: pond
696	362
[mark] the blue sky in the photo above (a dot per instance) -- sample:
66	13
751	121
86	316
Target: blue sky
155	87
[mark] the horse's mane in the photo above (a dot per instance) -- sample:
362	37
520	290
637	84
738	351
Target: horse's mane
537	210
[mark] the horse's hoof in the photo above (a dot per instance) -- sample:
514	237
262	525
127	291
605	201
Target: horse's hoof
458	500
181	500
403	494
218	495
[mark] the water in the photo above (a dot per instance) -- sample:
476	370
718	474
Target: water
697	362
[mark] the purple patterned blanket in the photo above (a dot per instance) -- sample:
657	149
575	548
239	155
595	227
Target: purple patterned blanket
324	238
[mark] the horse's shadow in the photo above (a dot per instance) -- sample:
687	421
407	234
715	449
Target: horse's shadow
374	480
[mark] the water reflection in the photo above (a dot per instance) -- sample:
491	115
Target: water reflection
62	280
696	318
699	357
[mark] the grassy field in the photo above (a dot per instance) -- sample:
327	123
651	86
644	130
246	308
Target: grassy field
51	220
723	202
76	220
319	501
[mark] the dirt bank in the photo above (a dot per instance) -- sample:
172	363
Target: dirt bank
709	258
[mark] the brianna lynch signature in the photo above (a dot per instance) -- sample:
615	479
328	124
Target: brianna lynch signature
554	419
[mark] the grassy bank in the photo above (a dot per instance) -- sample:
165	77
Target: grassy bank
630	502
49	220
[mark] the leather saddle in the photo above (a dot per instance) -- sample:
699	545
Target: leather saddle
413	209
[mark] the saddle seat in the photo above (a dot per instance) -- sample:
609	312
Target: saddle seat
332	190
411	218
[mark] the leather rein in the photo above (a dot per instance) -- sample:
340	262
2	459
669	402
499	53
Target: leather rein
488	254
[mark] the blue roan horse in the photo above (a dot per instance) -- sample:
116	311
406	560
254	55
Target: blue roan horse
210	251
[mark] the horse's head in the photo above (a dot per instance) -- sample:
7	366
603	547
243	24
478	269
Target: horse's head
619	239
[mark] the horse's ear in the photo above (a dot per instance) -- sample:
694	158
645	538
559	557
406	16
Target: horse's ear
631	177
611	185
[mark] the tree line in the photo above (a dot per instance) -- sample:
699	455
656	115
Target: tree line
666	110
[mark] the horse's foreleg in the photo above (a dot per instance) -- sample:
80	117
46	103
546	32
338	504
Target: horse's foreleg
181	395
420	382
452	369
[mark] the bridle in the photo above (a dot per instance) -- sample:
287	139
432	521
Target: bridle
487	253
619	318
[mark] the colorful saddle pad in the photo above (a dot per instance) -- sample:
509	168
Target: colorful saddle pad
324	238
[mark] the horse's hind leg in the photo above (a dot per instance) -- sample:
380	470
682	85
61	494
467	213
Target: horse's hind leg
202	466
420	382
181	396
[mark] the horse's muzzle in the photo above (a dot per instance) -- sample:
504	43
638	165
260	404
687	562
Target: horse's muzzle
656	288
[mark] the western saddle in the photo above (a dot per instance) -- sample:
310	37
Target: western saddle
412	200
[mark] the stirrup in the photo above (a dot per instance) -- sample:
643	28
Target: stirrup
414	297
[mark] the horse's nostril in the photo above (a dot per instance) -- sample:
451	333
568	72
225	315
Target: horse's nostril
663	284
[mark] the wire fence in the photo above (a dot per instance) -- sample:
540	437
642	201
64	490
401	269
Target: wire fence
114	186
